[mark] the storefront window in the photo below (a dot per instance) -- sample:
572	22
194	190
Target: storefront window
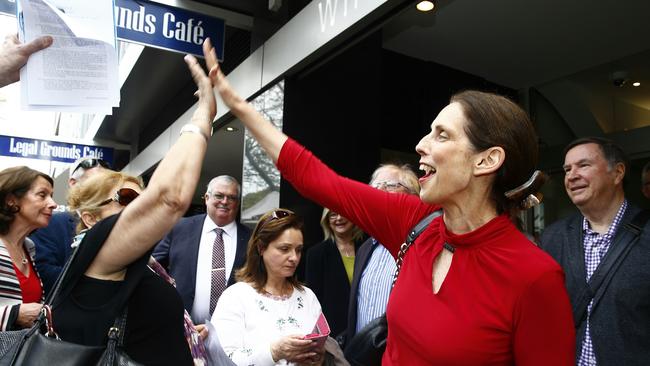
260	178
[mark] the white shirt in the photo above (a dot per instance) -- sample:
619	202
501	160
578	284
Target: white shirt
201	305
247	322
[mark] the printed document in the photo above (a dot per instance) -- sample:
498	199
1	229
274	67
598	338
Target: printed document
79	71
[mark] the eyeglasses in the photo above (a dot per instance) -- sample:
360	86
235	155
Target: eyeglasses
275	215
390	186
91	163
123	196
333	215
221	196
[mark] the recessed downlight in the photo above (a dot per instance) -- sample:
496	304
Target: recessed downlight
636	83
425	6
231	129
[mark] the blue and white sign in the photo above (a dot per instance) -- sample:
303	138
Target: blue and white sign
51	150
161	26
8	7
166	27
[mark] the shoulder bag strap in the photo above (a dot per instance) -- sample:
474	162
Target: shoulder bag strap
413	234
608	266
57	285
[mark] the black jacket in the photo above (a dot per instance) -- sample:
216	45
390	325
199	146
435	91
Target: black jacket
326	276
620	322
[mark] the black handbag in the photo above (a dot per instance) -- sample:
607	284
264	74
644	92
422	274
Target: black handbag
367	347
40	345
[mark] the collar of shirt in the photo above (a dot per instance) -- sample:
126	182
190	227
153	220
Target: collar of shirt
209	225
586	228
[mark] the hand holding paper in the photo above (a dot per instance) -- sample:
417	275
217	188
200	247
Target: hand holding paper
14	55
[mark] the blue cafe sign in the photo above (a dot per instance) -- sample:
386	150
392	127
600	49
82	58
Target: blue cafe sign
159	25
51	150
166	27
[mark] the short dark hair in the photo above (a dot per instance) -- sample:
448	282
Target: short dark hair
613	153
269	227
494	120
15	181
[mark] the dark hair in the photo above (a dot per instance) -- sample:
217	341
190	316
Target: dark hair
494	120
270	226
611	151
15	181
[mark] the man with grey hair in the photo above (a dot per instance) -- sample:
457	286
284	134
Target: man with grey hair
374	266
203	252
645	180
53	242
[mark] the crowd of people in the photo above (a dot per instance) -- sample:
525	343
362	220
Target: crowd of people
471	290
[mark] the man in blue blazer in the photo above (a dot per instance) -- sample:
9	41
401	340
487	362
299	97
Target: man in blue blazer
187	250
616	327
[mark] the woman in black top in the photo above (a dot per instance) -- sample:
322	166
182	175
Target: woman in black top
124	224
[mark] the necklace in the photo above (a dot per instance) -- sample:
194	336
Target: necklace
22	253
345	252
282	296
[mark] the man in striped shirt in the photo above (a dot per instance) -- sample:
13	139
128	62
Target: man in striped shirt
374	266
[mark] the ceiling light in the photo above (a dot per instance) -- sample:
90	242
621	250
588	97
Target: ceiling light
636	83
425	6
231	129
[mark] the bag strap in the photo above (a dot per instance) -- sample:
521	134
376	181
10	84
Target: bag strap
608	266
59	281
413	234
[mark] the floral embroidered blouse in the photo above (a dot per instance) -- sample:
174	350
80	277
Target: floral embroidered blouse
247	322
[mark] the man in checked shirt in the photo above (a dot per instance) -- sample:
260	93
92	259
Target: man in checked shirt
616	329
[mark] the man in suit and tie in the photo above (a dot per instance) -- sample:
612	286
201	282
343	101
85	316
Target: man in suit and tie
203	252
615	327
374	266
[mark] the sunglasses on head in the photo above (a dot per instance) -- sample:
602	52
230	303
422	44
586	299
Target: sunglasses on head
91	163
123	196
276	215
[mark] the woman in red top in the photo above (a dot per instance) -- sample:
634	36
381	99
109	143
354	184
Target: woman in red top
472	290
26	205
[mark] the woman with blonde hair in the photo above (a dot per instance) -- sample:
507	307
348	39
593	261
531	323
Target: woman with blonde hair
109	277
329	268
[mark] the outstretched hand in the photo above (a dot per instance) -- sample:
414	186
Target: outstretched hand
207	106
14	55
229	96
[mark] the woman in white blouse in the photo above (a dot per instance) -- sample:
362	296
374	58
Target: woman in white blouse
263	319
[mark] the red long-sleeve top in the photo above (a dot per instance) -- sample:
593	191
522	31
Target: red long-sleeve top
503	301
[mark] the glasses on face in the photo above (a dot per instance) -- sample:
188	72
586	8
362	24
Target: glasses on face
91	163
333	215
389	186
221	196
123	196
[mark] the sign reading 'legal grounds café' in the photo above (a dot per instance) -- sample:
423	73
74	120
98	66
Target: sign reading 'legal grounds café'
158	25
51	150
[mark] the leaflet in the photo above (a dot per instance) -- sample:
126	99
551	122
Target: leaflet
79	71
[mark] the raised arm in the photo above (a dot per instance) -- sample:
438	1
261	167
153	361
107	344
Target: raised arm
270	138
144	222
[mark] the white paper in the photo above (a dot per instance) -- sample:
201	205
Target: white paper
79	71
216	355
